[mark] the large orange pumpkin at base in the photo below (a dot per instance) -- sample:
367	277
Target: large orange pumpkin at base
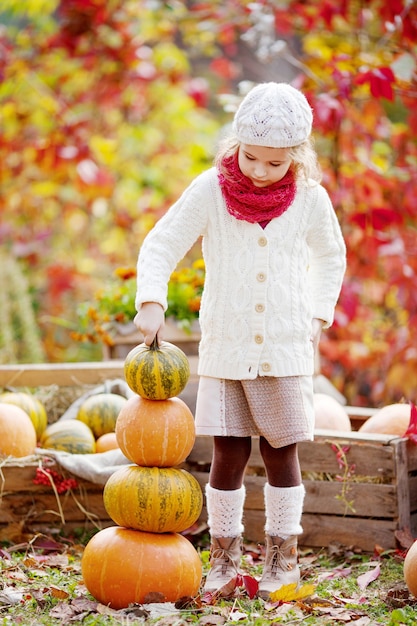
155	433
17	432
121	566
410	569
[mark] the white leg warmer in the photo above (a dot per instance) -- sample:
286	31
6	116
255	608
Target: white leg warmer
225	511
283	510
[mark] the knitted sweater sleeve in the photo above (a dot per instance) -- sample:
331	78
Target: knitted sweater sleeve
169	241
327	257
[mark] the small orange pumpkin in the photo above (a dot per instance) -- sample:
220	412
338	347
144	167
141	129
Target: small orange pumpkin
121	566
155	433
106	442
17	432
410	569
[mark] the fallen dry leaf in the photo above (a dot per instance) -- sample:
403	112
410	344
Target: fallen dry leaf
289	593
365	579
58	593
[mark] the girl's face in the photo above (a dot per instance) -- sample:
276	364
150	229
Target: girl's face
263	165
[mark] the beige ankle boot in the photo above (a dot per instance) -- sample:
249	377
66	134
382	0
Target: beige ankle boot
281	565
225	553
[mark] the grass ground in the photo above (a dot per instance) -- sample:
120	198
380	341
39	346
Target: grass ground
41	583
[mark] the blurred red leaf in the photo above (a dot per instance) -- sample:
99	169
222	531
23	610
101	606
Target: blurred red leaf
411	431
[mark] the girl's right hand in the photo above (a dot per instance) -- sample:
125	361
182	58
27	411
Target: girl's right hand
150	321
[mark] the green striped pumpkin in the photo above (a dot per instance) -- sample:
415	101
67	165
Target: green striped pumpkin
31	405
157	372
100	412
69	435
153	499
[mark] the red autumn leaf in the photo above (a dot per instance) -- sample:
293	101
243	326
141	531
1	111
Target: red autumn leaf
411	431
251	585
380	81
378	218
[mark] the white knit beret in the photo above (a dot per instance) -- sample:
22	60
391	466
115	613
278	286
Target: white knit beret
275	115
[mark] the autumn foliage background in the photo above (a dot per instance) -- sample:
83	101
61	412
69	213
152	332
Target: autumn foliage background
109	108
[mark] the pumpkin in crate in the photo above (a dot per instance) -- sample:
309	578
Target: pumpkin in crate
31	405
121	566
17	432
69	435
329	414
153	499
100	412
392	419
410	569
155	434
106	442
157	372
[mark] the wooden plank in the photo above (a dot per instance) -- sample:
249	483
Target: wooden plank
412	483
402	484
323	530
323	497
43	507
411	456
369	458
68	374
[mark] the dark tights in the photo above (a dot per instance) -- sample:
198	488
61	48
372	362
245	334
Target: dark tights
231	456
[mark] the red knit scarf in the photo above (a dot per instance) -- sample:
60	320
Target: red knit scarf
254	204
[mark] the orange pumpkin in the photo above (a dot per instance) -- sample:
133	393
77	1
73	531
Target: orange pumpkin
329	414
392	419
155	433
410	569
106	442
17	432
121	566
31	405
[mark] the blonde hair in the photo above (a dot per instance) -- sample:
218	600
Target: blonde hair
304	159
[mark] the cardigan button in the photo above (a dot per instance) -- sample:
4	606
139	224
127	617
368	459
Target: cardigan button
260	308
262	241
261	277
266	367
259	339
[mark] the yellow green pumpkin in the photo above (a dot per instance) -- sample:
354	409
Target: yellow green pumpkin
69	435
153	499
157	372
100	412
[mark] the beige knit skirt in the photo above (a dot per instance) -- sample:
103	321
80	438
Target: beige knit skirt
279	409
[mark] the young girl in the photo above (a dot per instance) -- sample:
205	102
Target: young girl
275	260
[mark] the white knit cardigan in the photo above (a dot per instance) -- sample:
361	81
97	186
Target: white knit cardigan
262	288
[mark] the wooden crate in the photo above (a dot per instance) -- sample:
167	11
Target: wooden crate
382	487
36	507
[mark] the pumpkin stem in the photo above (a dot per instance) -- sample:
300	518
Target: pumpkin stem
154	344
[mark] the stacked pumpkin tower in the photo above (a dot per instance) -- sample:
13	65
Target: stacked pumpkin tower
145	558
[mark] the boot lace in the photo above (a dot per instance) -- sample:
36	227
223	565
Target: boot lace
278	561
